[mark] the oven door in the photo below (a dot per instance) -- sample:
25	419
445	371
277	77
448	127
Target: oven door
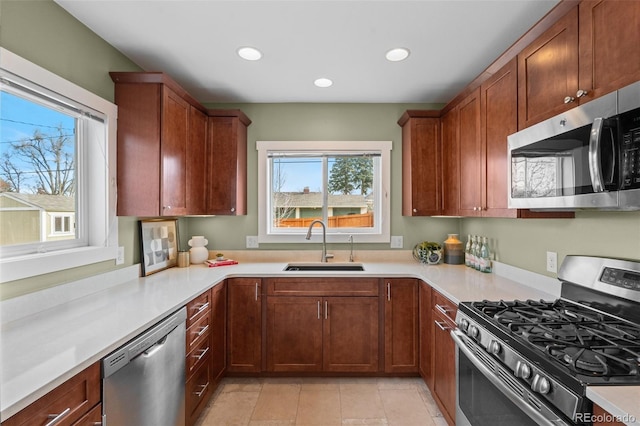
489	394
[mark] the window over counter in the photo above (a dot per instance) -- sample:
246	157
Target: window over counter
343	183
57	172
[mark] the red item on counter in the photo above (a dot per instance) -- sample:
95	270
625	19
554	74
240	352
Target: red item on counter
212	263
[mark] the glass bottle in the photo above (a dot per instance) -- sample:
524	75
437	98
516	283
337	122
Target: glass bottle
474	244
476	254
485	258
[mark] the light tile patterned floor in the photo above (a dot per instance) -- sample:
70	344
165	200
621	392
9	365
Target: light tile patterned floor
322	402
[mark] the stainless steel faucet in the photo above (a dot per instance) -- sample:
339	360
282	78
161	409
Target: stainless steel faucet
351	254
325	256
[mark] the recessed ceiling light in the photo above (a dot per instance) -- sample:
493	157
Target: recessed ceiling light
249	53
397	54
323	82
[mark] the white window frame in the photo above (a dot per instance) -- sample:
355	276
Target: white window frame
379	234
96	187
62	217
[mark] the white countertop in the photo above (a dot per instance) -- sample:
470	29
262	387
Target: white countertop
43	349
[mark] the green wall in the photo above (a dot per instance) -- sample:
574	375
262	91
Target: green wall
42	32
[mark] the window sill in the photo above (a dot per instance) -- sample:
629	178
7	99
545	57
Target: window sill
31	265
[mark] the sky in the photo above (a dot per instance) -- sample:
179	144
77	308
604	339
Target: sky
19	118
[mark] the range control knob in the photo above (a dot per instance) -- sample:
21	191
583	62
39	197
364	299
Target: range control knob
464	324
495	347
540	384
473	331
522	370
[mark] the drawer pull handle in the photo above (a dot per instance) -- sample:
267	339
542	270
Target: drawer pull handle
256	291
199	309
202	391
388	291
202	331
203	352
319	309
442	326
326	309
57	417
443	309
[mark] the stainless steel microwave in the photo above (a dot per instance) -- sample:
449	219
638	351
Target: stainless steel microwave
587	157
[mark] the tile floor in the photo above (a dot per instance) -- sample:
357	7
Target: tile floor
322	401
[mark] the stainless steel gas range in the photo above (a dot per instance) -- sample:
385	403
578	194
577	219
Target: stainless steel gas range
530	362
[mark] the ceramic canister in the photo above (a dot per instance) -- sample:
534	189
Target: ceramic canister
453	250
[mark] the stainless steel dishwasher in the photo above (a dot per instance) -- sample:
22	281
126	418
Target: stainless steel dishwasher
143	382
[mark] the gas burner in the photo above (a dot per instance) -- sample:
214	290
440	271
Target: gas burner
506	317
585	359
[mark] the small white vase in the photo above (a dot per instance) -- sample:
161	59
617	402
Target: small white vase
198	252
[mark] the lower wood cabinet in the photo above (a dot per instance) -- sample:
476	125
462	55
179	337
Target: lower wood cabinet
602	417
326	325
74	402
444	356
244	325
425	319
401	338
218	331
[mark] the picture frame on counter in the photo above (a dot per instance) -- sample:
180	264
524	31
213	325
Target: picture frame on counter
158	245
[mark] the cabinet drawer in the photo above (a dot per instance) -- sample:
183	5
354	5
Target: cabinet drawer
200	354
92	418
198	332
322	287
198	390
69	401
198	307
443	305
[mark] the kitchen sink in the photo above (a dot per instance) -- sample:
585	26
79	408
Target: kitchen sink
324	267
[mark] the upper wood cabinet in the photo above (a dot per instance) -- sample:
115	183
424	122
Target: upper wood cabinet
450	162
421	163
548	71
197	163
589	52
154	125
609	48
499	119
471	156
226	181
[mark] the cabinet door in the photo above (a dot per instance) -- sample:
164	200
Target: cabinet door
244	321
401	338
450	163
609	47
138	148
173	154
426	336
444	366
197	163
499	102
421	174
218	331
198	391
294	333
548	72
350	334
227	157
470	156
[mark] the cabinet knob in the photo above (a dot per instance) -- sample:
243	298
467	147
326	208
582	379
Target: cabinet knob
581	93
166	207
569	99
233	209
415	210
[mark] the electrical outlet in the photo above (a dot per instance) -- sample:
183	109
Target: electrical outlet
552	261
396	241
252	241
120	257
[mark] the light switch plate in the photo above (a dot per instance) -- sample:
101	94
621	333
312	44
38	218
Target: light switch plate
252	241
396	241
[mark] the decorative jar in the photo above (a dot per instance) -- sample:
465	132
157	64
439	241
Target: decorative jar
428	252
453	250
198	252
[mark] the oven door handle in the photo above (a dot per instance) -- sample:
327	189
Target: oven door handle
536	415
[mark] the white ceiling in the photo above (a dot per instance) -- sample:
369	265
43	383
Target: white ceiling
195	42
